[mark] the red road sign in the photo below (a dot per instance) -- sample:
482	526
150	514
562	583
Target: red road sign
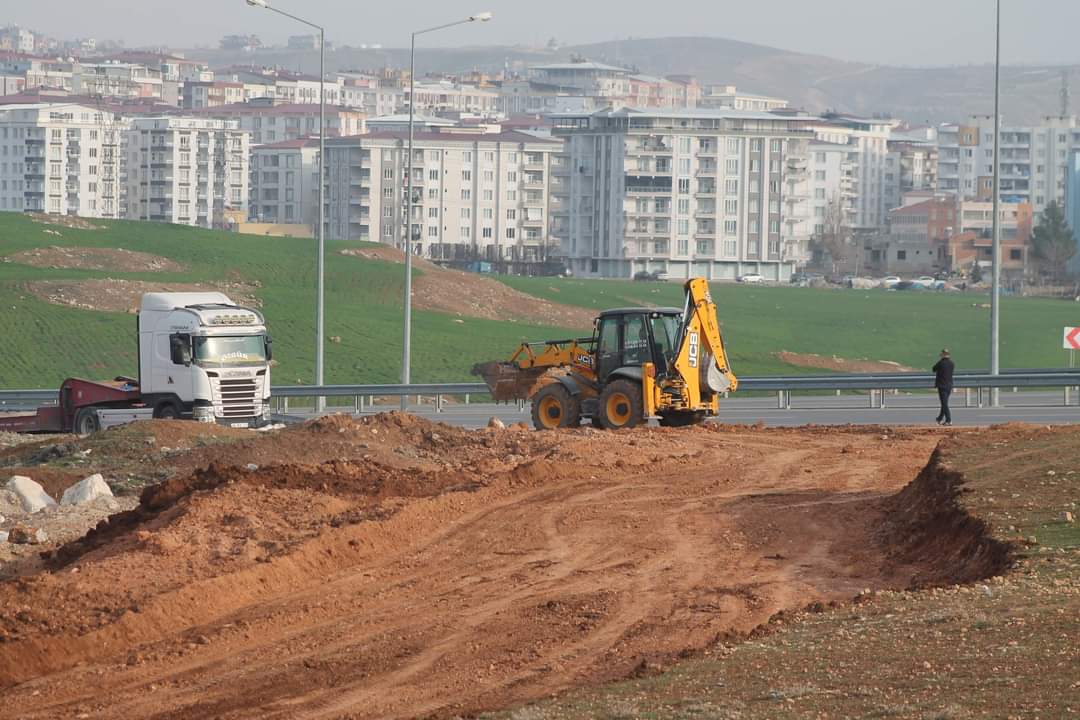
1072	338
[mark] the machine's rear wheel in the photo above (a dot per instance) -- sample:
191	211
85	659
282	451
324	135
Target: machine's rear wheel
681	419
621	405
554	407
86	422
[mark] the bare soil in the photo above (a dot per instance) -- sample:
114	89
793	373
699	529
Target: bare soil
472	295
111	295
68	221
393	567
93	258
838	364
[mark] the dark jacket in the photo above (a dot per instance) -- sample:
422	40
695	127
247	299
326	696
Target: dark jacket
944	372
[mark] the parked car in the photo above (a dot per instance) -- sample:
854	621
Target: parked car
924	280
890	281
646	276
751	279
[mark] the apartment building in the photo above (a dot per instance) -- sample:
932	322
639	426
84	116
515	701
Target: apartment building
689	192
1034	160
867	140
831	197
197	95
186	170
609	85
364	92
917	240
476	196
728	96
444	96
268	123
12	84
909	167
62	159
285	183
1072	205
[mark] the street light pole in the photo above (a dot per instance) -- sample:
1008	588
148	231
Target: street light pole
995	295
406	344
320	231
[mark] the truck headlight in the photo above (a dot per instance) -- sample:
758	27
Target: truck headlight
266	412
204	413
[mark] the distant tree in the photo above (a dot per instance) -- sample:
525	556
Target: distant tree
1054	242
836	238
976	273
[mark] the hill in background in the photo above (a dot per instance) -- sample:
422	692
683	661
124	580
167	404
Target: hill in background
813	82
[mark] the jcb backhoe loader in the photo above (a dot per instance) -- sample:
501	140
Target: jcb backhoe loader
640	363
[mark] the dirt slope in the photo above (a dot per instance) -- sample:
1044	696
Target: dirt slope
428	570
472	295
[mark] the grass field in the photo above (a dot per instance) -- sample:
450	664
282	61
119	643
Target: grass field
905	327
45	343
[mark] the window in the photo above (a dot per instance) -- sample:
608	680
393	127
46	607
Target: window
684	206
684	227
731	227
433	155
684	144
684	186
466	156
486	232
901	254
433	174
433	212
684	166
511	176
489	213
776	145
731	186
466	213
511	214
433	193
466	175
466	194
731	166
433	231
755	145
511	195
731	206
819	193
388	174
683	246
819	175
466	232
510	233
733	145
755	166
489	176
489	195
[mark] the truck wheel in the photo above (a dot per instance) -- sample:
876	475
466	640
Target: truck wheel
166	411
621	406
86	422
554	407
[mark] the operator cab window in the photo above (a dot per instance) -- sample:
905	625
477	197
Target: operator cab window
636	348
664	330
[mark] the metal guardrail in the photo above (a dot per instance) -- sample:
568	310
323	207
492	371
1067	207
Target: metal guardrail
878	385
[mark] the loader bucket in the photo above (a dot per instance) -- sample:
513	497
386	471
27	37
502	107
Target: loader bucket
508	381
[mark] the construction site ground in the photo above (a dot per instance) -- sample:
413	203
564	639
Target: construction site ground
394	567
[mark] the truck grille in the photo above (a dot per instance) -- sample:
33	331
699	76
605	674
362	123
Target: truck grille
240	398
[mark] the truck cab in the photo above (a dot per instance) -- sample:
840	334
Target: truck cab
201	356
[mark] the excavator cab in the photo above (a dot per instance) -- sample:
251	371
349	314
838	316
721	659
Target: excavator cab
628	338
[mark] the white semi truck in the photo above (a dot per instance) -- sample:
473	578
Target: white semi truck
201	356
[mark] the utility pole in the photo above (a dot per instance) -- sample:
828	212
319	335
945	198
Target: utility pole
995	296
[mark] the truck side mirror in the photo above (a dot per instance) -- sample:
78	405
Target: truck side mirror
180	349
269	348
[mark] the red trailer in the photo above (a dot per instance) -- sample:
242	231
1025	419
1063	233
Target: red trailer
76	411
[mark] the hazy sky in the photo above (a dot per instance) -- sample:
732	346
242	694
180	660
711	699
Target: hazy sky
908	32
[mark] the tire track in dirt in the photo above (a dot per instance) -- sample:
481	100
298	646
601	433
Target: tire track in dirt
566	570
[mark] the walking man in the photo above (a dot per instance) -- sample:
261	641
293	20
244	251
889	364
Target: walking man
943	381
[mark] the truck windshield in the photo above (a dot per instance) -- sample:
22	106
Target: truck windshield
230	350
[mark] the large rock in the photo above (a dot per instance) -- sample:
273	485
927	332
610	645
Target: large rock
31	496
86	491
22	535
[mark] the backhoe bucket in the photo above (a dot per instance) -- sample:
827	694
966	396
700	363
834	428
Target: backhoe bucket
508	381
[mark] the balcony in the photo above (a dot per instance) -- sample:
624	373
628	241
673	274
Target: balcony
707	170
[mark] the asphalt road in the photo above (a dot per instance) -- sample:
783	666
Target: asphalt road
1043	408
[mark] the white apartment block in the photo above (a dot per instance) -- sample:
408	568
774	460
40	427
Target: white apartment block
728	96
867	140
476	196
909	167
831	192
186	170
433	98
1034	160
713	193
285	183
61	159
269	123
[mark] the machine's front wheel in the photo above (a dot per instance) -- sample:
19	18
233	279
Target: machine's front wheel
167	411
554	407
86	422
621	405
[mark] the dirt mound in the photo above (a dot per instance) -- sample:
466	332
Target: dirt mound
927	525
472	295
93	258
111	295
838	364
